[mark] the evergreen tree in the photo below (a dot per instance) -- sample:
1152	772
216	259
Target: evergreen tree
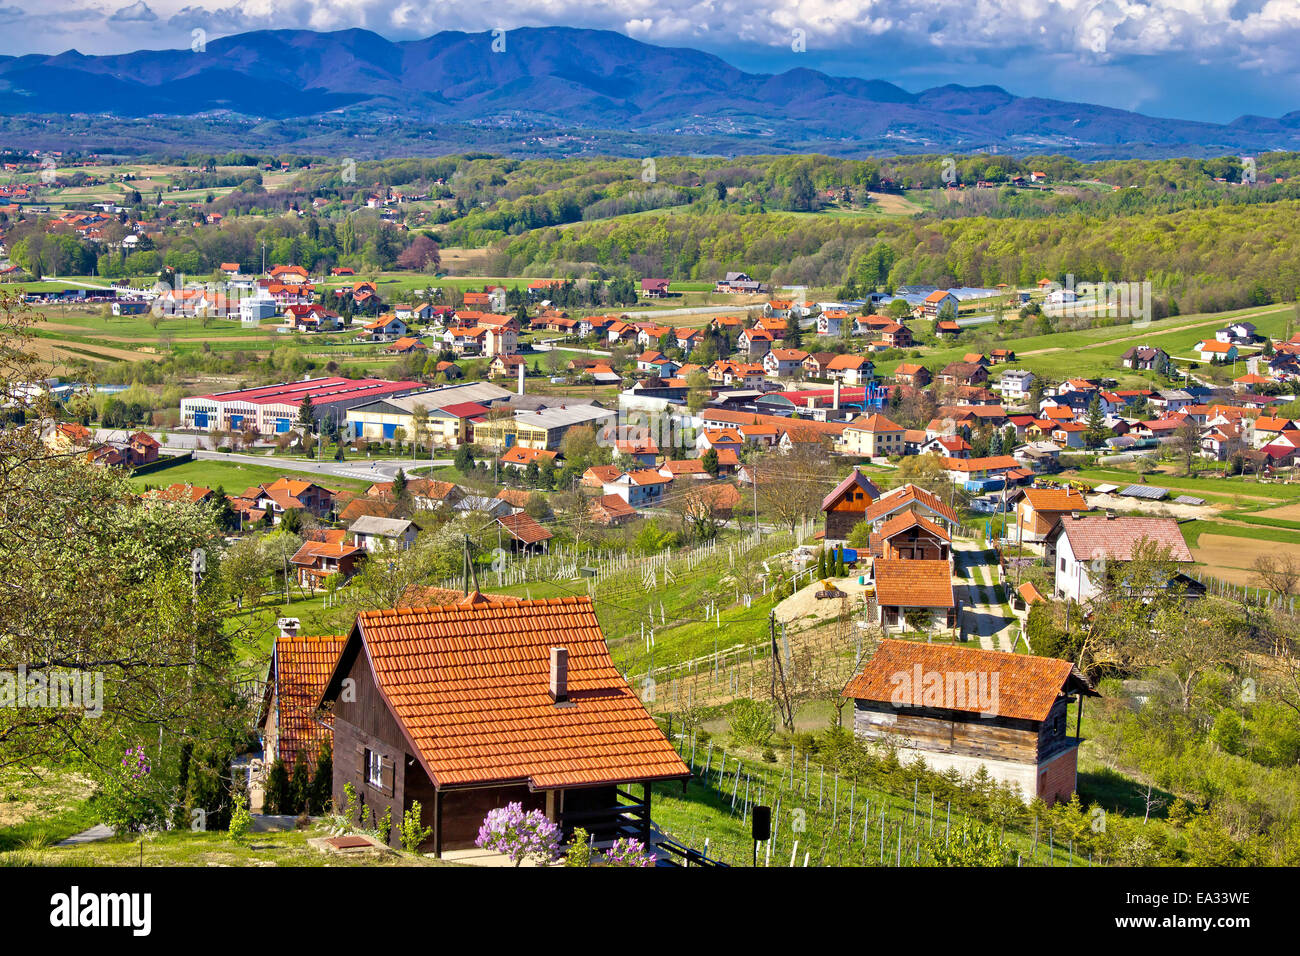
306	414
300	784
278	794
399	485
322	783
1096	422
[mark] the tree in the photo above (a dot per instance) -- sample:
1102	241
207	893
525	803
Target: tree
1096	432
421	255
399	485
1278	572
1186	444
279	794
791	486
306	414
709	462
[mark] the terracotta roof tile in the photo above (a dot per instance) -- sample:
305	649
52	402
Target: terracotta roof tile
469	684
907	582
301	668
1026	689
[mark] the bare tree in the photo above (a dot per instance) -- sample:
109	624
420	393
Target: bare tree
1278	572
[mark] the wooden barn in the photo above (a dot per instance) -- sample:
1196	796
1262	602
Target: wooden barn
469	706
961	708
847	505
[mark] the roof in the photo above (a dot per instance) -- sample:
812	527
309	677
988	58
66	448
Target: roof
1027	687
1096	536
855	479
311	550
518	455
523	527
383	527
873	423
1030	593
179	492
905	495
468	683
301	667
910	519
614	506
907	582
1055	499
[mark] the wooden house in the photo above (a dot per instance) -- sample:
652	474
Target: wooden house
467	707
962	708
910	536
847	504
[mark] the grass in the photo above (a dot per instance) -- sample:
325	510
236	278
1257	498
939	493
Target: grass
1192	531
235	477
184	847
42	807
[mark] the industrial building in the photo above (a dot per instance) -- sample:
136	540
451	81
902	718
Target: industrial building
274	408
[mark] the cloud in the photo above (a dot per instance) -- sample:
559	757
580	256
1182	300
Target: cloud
137	12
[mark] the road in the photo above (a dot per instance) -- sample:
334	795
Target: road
364	469
983	613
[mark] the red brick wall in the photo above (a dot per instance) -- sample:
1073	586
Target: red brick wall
1057	779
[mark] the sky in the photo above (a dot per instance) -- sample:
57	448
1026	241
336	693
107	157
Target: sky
1210	60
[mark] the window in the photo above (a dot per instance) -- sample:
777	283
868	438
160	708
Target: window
1063	565
374	769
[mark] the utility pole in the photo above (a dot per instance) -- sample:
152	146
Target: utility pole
753	476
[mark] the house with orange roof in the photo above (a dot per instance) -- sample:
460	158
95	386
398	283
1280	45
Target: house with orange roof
1214	350
852	369
611	510
1038	510
519	457
295	679
467	707
640	489
872	436
327	554
288	494
964	709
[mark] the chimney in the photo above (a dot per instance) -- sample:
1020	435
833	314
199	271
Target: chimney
836	406
521	378
559	674
288	626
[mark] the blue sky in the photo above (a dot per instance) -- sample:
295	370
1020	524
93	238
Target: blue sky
1199	59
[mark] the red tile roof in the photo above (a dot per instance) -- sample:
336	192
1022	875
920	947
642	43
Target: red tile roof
1096	536
905	495
300	667
907	582
910	519
469	685
523	527
1026	687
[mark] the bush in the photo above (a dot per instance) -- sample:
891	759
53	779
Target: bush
411	833
579	853
241	821
519	835
750	723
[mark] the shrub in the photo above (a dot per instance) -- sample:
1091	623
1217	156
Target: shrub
750	723
519	835
128	797
579	849
411	833
241	821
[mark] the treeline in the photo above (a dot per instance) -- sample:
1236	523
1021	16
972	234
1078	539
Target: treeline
1225	256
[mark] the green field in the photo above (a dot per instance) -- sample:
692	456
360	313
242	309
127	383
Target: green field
236	477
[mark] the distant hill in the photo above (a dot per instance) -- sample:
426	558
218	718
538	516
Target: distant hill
558	78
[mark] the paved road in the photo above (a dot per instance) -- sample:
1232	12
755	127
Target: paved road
365	469
983	612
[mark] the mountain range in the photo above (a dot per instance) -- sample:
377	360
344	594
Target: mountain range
557	79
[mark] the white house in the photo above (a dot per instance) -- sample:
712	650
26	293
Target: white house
1081	547
1016	383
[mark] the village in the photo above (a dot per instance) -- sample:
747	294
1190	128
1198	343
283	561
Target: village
651	572
928	512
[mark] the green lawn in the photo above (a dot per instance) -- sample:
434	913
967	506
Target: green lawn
235	477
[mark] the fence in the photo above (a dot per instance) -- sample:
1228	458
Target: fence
823	818
171	461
